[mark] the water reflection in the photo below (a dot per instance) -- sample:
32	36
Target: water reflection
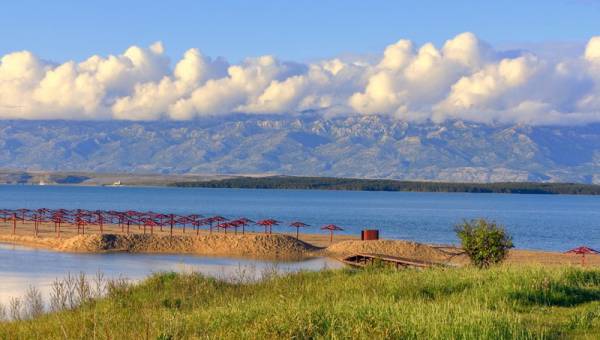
22	267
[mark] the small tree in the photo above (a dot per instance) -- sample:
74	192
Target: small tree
485	242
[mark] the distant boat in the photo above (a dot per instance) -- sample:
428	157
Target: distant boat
116	184
42	183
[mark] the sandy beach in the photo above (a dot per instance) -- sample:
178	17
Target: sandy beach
282	243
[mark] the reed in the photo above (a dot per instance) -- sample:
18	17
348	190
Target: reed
498	303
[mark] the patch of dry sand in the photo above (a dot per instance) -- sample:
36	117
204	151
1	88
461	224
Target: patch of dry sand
256	245
249	245
406	249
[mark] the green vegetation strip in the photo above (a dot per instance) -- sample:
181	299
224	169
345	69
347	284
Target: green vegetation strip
329	183
499	303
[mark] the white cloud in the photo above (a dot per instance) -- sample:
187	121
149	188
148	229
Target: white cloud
592	50
463	79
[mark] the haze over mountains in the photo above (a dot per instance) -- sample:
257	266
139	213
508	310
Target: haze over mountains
310	145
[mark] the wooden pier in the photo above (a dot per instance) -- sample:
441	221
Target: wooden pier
364	259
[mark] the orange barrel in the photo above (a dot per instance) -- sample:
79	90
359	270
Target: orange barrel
369	234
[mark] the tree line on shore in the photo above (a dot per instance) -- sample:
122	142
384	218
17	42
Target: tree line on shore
357	184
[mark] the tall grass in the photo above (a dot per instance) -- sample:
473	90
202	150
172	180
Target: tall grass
500	303
65	294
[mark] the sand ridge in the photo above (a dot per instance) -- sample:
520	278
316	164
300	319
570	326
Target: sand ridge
272	246
250	245
246	245
398	248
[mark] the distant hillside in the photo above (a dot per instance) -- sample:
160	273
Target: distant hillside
325	183
357	147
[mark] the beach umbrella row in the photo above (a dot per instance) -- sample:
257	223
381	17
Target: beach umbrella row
82	218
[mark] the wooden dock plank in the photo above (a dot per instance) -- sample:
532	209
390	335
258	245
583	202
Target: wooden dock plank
364	259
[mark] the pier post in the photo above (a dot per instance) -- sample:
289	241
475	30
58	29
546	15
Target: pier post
100	223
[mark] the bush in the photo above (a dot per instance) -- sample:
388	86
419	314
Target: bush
485	242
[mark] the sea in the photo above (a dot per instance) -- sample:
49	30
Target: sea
540	222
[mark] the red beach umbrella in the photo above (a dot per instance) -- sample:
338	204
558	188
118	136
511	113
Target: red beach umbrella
243	222
268	223
148	222
331	228
298	225
215	219
162	220
224	226
235	224
23	214
81	223
583	250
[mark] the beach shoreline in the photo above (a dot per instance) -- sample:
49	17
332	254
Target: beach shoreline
250	244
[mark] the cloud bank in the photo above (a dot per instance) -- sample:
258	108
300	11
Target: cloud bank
463	79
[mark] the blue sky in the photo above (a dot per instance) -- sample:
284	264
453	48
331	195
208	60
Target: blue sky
295	30
532	62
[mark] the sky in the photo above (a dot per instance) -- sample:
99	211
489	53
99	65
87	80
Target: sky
296	30
534	62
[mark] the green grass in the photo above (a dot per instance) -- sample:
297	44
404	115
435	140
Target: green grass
500	303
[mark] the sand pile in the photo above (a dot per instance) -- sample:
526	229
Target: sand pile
253	245
405	249
276	246
30	241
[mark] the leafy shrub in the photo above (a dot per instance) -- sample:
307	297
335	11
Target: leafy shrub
485	242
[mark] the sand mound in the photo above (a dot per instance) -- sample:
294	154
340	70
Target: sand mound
215	244
405	249
30	241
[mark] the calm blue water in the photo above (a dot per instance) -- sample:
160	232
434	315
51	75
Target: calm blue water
22	267
549	222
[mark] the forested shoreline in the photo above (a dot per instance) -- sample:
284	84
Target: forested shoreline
356	184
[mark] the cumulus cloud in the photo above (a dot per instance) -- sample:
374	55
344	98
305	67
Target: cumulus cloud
465	78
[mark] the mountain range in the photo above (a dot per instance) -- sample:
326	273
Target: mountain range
307	145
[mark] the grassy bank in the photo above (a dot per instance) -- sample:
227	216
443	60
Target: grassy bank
506	302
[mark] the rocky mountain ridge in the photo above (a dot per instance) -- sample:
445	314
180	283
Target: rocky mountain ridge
365	146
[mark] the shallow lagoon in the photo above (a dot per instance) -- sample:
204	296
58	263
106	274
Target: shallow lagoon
22	267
